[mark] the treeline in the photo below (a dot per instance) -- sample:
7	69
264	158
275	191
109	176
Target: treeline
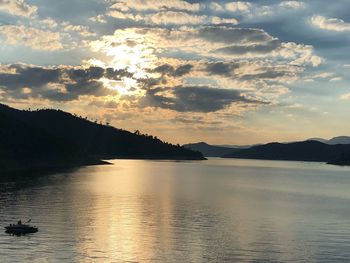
50	137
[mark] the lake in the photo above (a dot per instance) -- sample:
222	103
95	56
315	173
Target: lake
220	210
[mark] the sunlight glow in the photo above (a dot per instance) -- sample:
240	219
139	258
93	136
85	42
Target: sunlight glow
129	51
134	58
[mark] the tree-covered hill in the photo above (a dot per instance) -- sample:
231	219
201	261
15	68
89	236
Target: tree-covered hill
53	138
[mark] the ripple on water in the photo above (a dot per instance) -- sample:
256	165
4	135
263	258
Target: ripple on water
214	211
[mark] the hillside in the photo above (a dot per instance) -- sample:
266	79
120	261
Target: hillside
333	141
53	138
209	150
299	151
339	140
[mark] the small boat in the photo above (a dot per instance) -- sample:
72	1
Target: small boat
20	229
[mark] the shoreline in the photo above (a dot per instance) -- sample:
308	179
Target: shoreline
19	170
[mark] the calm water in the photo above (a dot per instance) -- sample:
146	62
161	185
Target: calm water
218	210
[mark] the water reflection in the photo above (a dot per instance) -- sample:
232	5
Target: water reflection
213	211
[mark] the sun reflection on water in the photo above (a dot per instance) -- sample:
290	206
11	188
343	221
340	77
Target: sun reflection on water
125	223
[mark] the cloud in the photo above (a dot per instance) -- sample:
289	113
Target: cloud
123	15
217	7
20	76
230	35
176	18
256	11
182	70
18	8
238	6
193	98
293	4
228	72
171	18
221	42
217	56
49	22
267	75
218	20
221	68
336	79
264	48
99	19
202	40
332	24
175	72
147	5
31	37
56	83
345	96
253	71
255	48
323	76
84	31
231	7
165	13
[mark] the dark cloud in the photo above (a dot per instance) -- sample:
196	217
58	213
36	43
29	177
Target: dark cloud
192	98
58	84
221	68
167	69
117	74
254	48
151	82
227	69
73	91
183	70
28	77
268	75
80	75
164	69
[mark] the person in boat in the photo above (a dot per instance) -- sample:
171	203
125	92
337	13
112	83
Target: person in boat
19	222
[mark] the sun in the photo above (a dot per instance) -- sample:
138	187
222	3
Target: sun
129	51
135	58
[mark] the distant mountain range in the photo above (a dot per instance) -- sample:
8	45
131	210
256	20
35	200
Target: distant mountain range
310	150
210	150
333	141
313	151
45	139
236	146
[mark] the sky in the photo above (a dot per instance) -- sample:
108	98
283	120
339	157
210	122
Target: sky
223	72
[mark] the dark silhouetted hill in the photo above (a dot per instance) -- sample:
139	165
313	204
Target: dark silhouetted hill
209	150
53	138
343	159
237	146
318	140
313	151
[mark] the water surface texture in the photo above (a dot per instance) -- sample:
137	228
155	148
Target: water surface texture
220	210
